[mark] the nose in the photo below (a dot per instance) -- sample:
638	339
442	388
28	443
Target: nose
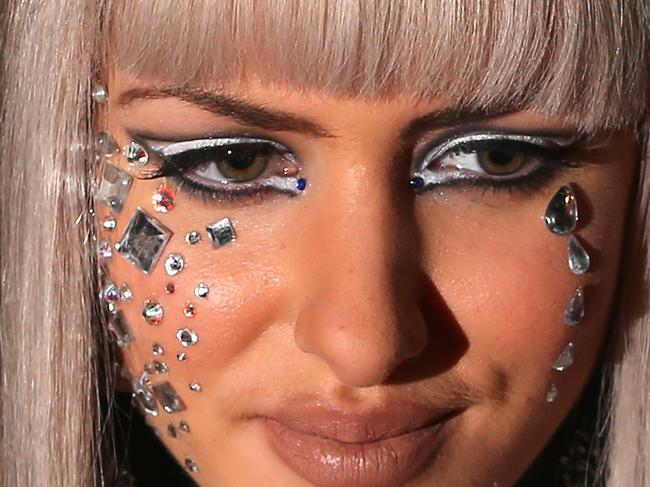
359	313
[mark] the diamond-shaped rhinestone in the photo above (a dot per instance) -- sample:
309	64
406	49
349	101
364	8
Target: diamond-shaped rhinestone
221	232
168	398
114	187
144	240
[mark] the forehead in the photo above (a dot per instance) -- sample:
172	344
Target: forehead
497	55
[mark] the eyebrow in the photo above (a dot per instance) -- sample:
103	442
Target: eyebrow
259	116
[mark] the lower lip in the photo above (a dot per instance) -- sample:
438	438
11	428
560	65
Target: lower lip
330	463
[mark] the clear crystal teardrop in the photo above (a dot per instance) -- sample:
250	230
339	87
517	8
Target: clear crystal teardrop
565	359
551	395
562	212
579	259
575	310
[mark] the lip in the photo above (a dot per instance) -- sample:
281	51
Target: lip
382	447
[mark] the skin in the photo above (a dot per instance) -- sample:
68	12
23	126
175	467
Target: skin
453	292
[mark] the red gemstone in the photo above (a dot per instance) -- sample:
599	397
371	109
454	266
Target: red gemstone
164	199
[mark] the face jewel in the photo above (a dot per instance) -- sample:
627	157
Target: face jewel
189	310
157	349
143	396
193	238
152	312
187	337
136	154
221	232
104	250
143	241
191	466
163	199
111	293
416	183
578	257
181	356
184	427
105	145
201	290
100	94
196	387
301	184
109	223
167	397
562	212
120	330
114	187
125	293
157	367
172	431
575	310
551	395
565	359
174	264
170	288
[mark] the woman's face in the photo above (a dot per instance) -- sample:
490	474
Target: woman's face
360	332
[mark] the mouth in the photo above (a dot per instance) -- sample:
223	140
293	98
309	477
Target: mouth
378	448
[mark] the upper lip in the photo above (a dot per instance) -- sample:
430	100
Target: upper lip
385	420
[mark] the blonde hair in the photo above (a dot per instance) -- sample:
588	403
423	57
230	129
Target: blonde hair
584	59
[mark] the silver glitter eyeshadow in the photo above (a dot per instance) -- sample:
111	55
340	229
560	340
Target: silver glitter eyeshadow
565	359
562	212
144	241
114	187
167	397
579	259
221	232
143	396
575	310
120	329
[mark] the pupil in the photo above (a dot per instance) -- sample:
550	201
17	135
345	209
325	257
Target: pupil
501	157
242	158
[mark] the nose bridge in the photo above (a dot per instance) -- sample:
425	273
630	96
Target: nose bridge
361	313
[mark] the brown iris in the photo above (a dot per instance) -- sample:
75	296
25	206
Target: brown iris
500	162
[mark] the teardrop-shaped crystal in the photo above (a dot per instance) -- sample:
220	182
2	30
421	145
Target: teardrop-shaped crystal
551	395
562	212
565	358
579	259
575	310
105	145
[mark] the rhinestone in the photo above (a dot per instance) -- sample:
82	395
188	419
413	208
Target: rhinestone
171	430
114	187
157	367
551	395
143	241
193	237
565	358
184	427
105	145
100	94
109	223
201	290
221	232
169	400
120	329
416	183
181	356
191	466
144	396
196	387
174	264
187	337
105	250
157	349
189	310
562	212
152	312
170	288
301	184
125	293
111	307
163	199
136	154
111	293
575	310
579	259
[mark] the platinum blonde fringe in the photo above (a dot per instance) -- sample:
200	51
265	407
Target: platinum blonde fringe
585	59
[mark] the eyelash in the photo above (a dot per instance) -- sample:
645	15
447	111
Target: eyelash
551	157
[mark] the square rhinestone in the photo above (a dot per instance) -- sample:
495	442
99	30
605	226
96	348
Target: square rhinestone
167	397
143	241
120	329
114	187
221	232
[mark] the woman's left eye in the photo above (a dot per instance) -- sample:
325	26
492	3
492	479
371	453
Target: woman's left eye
496	160
227	167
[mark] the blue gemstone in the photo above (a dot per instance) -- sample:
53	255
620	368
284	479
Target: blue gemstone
301	184
416	183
